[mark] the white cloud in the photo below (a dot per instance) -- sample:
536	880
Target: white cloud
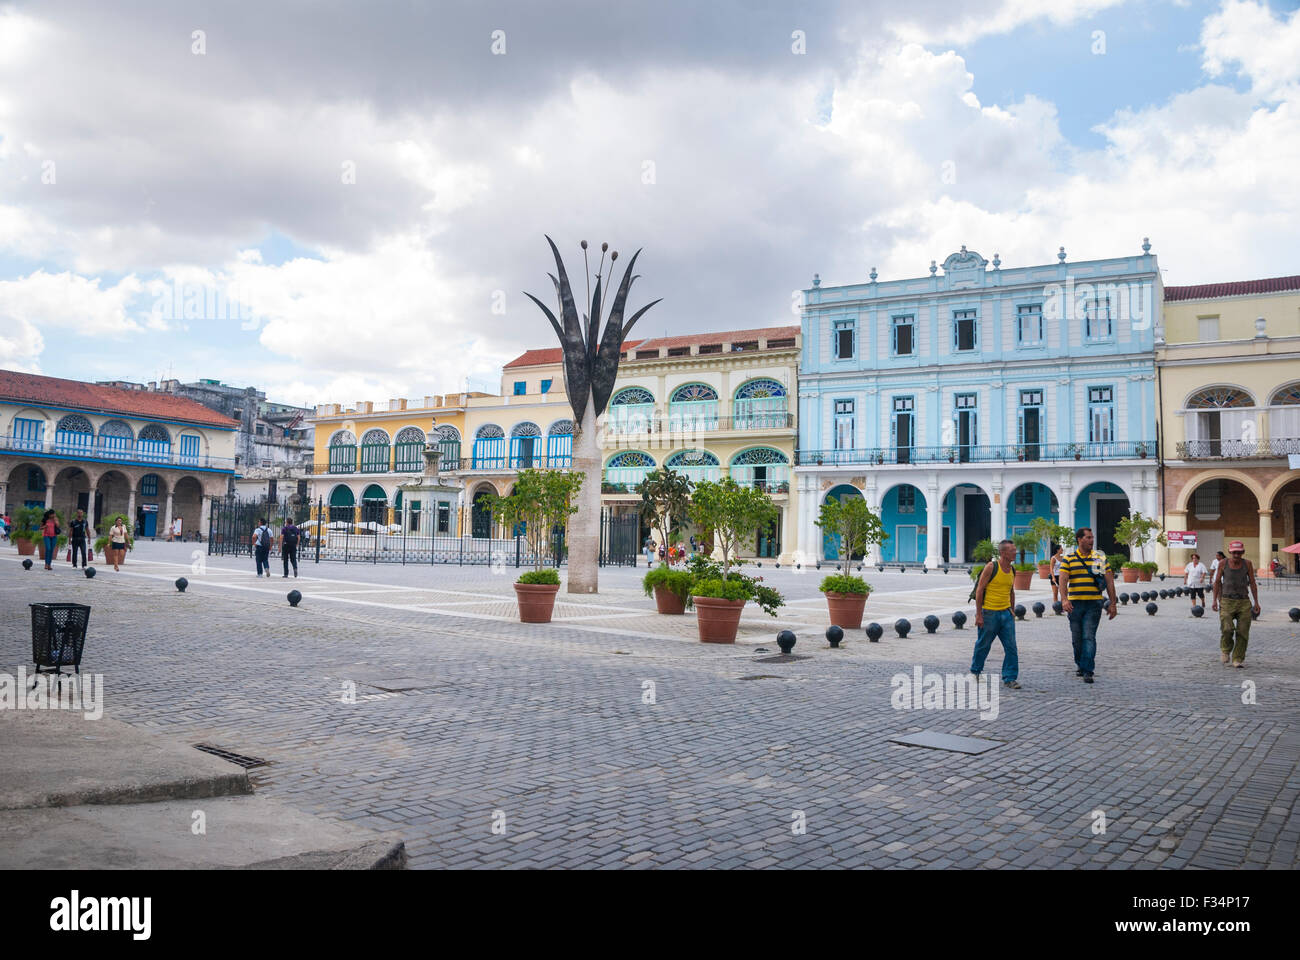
969	22
1266	47
78	306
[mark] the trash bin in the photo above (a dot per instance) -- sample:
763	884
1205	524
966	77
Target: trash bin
58	635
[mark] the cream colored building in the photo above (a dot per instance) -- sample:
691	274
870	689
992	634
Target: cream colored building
1228	387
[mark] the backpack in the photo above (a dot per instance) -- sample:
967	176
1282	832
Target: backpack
975	585
263	536
290	535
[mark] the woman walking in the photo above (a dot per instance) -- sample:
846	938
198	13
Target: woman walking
50	533
117	538
1195	576
1057	554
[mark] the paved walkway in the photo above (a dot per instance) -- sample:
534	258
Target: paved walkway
612	738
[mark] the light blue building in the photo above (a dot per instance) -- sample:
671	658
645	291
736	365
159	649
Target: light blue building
965	403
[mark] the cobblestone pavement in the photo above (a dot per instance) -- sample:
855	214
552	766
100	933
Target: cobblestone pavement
465	719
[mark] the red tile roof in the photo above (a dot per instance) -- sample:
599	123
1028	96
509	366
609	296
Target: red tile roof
1239	288
535	358
722	336
30	388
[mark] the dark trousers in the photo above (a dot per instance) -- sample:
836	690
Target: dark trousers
289	555
1083	632
263	557
78	545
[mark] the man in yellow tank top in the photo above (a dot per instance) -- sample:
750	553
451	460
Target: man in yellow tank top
995	599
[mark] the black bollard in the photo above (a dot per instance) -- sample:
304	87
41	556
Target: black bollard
181	584
1152	608
1038	608
294	597
89	572
785	639
1198	610
1020	611
958	619
874	632
901	627
931	623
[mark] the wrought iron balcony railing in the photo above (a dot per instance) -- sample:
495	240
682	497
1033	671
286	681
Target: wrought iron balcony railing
988	453
122	451
689	423
1237	449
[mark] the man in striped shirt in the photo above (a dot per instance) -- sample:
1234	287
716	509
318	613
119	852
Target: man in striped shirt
1084	574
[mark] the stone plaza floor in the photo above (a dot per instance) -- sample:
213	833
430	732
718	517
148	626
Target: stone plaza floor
612	738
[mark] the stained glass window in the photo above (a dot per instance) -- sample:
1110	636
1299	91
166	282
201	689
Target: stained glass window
632	458
632	395
758	389
692	391
1219	397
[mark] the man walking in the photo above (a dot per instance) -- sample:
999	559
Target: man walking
262	537
289	534
995	598
1234	577
1195	576
1085	574
77	537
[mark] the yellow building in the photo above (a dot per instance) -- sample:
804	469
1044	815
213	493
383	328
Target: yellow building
365	451
1228	387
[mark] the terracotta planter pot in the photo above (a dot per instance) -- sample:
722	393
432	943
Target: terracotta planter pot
846	609
1144	576
536	601
718	619
1044	571
668	602
1023	578
1130	575
25	547
41	550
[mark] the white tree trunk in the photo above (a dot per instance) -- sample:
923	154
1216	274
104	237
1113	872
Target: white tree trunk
584	527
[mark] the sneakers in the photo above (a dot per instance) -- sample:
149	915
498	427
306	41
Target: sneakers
1013	684
1078	673
1087	678
1238	664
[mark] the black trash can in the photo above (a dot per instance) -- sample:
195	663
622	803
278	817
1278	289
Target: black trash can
58	635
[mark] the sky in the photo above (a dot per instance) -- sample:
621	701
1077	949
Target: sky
338	202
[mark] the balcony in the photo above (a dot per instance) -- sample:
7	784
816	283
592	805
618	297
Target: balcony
691	424
143	453
1274	447
992	453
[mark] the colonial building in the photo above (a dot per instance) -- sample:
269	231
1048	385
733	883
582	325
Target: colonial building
366	452
965	403
1229	386
152	456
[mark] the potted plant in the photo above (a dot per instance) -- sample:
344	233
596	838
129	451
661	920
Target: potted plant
665	501
103	544
1026	543
541	503
1135	531
730	515
1020	453
857	527
1115	562
1131	571
26	530
1142	450
1148	570
1043	530
1075	449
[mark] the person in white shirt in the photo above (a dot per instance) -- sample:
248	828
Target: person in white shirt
1195	576
1214	565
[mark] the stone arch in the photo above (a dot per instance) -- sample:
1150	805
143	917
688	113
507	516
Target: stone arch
831	540
904	509
1246	480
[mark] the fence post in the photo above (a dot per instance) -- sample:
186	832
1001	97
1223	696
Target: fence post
516	552
320	503
461	561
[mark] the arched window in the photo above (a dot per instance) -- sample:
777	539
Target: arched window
693	406
1220	421
625	470
525	446
74	435
559	444
631	410
1286	396
342	504
1284	418
696	464
761	404
374	505
374	451
762	468
115	440
1218	398
408	450
448	440
343	452
489	448
155	443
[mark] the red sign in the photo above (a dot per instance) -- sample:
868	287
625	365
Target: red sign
1183	539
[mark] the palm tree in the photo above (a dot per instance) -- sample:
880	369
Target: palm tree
590	366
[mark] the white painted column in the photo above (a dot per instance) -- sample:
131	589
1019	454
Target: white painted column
1265	540
4	496
167	519
49	495
130	512
997	509
933	522
872	493
205	517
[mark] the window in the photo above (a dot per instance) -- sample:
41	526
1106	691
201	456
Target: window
902	428
1096	319
189	448
1206	500
739	347
149	485
1207	328
546	386
1029	324
521	387
844	425
904	338
964	421
963	330
1024	498
35	480
907	499
444	517
1101	415
682	351
843	345
28	434
710	348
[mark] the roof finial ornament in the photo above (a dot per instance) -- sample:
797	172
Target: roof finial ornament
1146	244
963	248
997	262
1061	256
933	268
817	279
874	274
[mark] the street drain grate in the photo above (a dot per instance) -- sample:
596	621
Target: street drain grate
762	676
783	658
236	758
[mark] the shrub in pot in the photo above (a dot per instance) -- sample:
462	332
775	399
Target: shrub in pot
540	505
846	598
535	592
1024	575
670	588
1131	572
25	531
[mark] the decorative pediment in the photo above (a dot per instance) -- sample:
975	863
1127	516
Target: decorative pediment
964	260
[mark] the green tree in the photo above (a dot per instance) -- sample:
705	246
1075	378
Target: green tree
542	502
1044	532
855	523
1026	542
665	502
1135	531
732	513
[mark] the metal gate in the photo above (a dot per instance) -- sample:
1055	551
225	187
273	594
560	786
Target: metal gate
619	539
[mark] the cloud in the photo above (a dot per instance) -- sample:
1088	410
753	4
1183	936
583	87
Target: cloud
76	306
1267	47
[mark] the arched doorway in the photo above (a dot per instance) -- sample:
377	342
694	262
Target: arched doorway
480	515
27	483
1026	502
187	506
151	495
1220	510
71	492
1101	506
374	505
113	495
903	515
342	504
831	540
967	519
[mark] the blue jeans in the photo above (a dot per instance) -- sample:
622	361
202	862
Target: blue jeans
263	557
1083	632
1000	624
51	544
